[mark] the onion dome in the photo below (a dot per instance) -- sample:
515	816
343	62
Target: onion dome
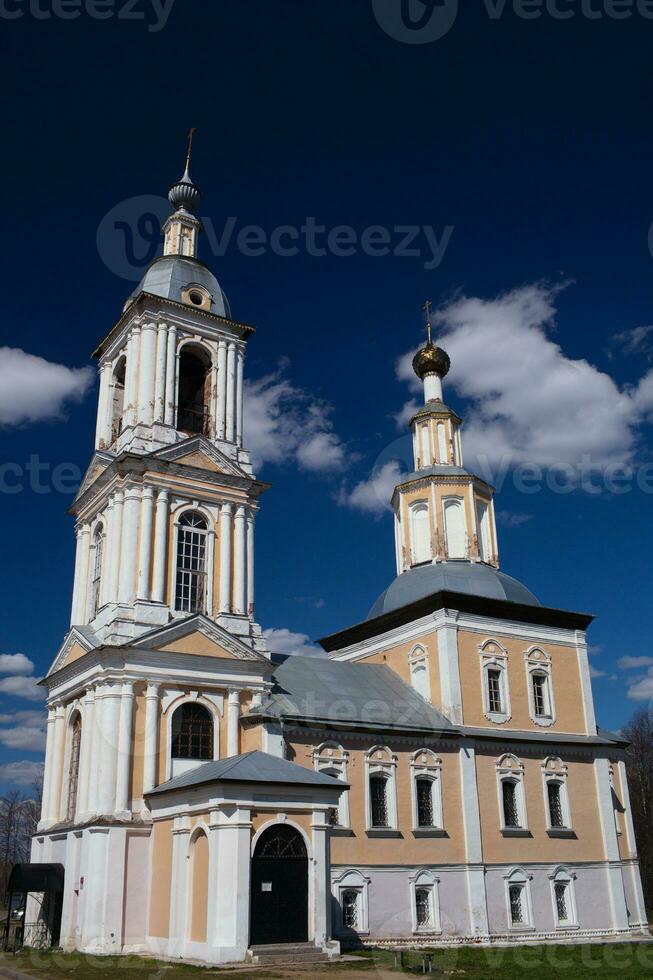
184	194
431	360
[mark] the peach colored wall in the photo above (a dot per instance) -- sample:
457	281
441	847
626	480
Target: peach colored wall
199	887
161	879
565	679
397	658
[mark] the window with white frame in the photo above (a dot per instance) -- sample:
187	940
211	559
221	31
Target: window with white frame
558	814
494	681
512	800
484	531
564	898
420	533
418	662
350	890
426	910
192	733
426	771
455	529
518	899
331	759
73	764
381	766
540	686
96	571
443	452
190	582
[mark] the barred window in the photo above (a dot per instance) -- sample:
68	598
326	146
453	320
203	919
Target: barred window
510	804
351	909
192	733
425	814
379	800
423	907
73	767
556	814
190	590
516	904
96	581
561	901
494	691
541	696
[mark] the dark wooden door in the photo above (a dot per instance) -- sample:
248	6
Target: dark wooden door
279	896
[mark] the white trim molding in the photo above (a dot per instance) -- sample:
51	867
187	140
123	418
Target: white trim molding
332	759
424	880
518	878
381	760
539	663
355	881
510	769
425	764
562	878
555	772
420	671
494	656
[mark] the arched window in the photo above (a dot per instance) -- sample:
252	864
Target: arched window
73	766
379	800
418	662
558	813
540	688
381	765
512	799
426	769
518	899
194	398
443	455
190	586
96	571
420	533
484	536
494	680
454	529
118	399
331	759
192	733
564	898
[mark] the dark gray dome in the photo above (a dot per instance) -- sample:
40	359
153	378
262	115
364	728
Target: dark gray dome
170	275
470	578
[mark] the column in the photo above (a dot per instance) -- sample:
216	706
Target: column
147	368
230	393
80	583
239	396
151	740
47	769
160	547
123	804
145	548
86	757
171	376
225	558
613	863
320	868
179	886
129	544
105	595
160	380
250	561
96	747
108	762
114	546
103	407
230	928
477	901
240	561
56	766
213	400
221	396
233	723
131	377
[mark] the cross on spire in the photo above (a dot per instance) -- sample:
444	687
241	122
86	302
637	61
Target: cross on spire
427	311
191	133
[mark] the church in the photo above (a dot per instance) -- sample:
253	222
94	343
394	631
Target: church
437	777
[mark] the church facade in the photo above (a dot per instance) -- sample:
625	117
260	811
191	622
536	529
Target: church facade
437	777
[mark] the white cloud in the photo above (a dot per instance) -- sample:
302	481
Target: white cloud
510	519
22	687
283	423
15	663
29	737
286	642
529	401
33	389
372	496
595	672
636	340
23	773
634	663
642	688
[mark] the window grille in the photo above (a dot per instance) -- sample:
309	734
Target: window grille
73	768
561	901
379	801
424	791
350	909
281	842
540	696
556	815
494	691
192	733
510	807
190	589
423	910
516	904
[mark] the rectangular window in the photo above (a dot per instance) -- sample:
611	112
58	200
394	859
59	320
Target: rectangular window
510	806
556	814
423	908
191	575
494	699
516	905
379	801
350	909
424	792
562	908
541	696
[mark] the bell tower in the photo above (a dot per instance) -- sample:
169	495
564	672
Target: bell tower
166	512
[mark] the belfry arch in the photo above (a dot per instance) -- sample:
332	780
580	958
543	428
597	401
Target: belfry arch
194	390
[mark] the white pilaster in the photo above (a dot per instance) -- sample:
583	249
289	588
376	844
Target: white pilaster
123	805
585	682
56	765
230	928
171	378
160	547
47	769
80	583
96	750
105	595
233	723
639	913
145	547
225	557
160	378
477	901
250	562
450	692
240	362
129	545
114	545
240	562
221	397
131	377
179	899
151	740
110	696
320	869
611	844
230	411
86	756
103	407
147	369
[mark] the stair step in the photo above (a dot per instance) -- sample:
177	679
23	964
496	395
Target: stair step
290	960
285	954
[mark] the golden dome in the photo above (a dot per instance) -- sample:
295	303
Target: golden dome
431	360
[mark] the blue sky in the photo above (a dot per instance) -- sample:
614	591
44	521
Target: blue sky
524	150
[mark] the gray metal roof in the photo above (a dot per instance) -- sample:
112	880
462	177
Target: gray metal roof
342	693
169	275
469	578
603	737
252	767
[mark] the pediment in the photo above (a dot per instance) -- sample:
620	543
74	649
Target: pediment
75	645
200	453
200	636
97	466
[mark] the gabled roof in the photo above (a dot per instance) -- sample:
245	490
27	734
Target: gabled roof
348	694
252	767
199	623
198	444
83	636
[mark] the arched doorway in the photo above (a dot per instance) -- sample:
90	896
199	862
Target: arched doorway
279	903
194	397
